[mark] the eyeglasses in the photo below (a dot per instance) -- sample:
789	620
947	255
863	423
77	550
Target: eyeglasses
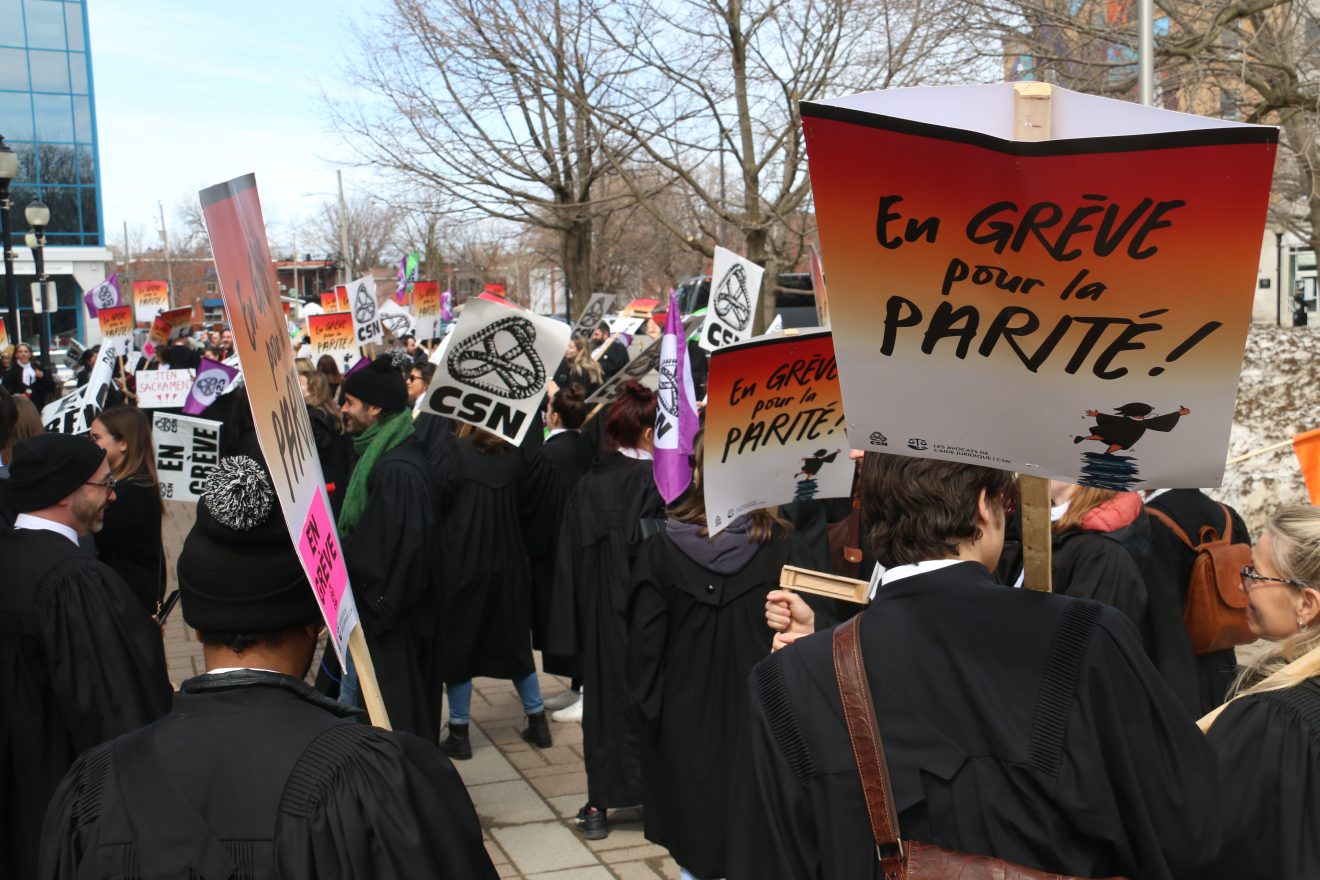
109	485
414	378
1252	579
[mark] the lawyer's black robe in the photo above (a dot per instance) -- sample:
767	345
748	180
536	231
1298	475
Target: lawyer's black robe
394	564
1092	565
693	637
597	547
568	457
1269	776
1201	681
1124	432
130	543
1023	725
80	663
277	779
487	622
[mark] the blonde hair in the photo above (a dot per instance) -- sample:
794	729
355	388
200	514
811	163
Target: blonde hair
584	364
1295	553
766	523
1084	500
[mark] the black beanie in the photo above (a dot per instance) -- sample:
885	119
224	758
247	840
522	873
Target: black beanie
47	468
238	572
380	384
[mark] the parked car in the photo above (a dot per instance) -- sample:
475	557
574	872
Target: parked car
795	297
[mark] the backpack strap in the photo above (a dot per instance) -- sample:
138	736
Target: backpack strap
868	750
1173	526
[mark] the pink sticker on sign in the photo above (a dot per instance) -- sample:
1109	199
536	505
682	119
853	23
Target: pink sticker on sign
318	545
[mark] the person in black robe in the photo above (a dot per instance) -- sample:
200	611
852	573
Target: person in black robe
1021	725
390	527
487	620
26	377
1268	737
567	455
253	773
696	628
80	660
812	465
598	545
130	538
615	356
1201	681
1125	429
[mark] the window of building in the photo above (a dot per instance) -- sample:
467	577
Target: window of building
49	70
45	24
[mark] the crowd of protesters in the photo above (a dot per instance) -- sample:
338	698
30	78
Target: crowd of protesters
1053	731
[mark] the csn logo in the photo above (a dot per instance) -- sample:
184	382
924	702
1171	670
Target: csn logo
878	439
917	443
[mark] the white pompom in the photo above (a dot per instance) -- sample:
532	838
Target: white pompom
238	493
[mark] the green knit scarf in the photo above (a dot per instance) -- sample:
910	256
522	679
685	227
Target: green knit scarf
371	444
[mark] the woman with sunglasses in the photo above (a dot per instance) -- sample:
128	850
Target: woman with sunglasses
1268	737
130	539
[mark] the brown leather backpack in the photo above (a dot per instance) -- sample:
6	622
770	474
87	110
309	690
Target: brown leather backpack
1215	607
899	859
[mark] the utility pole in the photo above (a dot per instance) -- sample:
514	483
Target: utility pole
345	263
1146	51
169	267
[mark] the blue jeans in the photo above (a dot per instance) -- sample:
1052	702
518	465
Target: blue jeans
349	692
460	698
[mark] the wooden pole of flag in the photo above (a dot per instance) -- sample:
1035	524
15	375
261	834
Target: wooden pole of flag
1031	122
1273	447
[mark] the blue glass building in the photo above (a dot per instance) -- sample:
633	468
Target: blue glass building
48	117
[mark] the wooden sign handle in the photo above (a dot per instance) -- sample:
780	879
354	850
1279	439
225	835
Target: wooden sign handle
1031	122
366	674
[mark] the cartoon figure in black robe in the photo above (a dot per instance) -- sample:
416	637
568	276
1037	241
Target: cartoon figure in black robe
812	465
1125	429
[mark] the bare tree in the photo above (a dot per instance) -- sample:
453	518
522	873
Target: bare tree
482	102
1250	60
715	96
369	225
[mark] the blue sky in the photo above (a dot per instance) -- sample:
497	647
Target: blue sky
194	93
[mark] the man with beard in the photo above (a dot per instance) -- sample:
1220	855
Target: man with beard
80	660
615	356
390	524
254	773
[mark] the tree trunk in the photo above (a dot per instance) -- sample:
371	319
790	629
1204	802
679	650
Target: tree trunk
575	253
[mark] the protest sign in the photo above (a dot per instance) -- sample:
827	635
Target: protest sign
775	428
333	335
116	323
213	379
4	334
365	311
163	389
103	296
735	289
593	314
187	450
639	367
150	298
1040	306
426	307
396	320
330	302
495	370
818	288
251	292
74	413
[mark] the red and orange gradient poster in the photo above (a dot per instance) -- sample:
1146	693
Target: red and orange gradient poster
1073	308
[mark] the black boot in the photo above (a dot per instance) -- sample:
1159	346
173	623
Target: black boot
457	745
538	731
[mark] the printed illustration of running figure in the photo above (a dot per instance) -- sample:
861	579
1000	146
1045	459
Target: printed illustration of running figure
1125	429
812	465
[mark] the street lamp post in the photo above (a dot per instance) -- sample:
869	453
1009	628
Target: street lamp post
8	171
43	300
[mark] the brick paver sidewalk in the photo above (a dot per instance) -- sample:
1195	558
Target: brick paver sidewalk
527	798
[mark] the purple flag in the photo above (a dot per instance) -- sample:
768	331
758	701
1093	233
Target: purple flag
447	306
676	421
212	379
103	296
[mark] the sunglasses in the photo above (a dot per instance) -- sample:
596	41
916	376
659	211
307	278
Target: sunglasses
1252	579
414	378
109	485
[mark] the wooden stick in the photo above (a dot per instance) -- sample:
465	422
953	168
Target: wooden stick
1031	122
366	674
591	415
1304	667
1274	447
819	583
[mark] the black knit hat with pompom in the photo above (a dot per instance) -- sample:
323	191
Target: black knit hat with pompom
380	384
238	572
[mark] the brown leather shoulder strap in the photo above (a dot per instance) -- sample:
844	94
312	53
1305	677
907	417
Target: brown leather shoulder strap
868	750
1227	534
1173	526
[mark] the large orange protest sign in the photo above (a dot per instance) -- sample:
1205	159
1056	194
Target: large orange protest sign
116	323
333	335
251	293
150	298
1073	308
775	428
